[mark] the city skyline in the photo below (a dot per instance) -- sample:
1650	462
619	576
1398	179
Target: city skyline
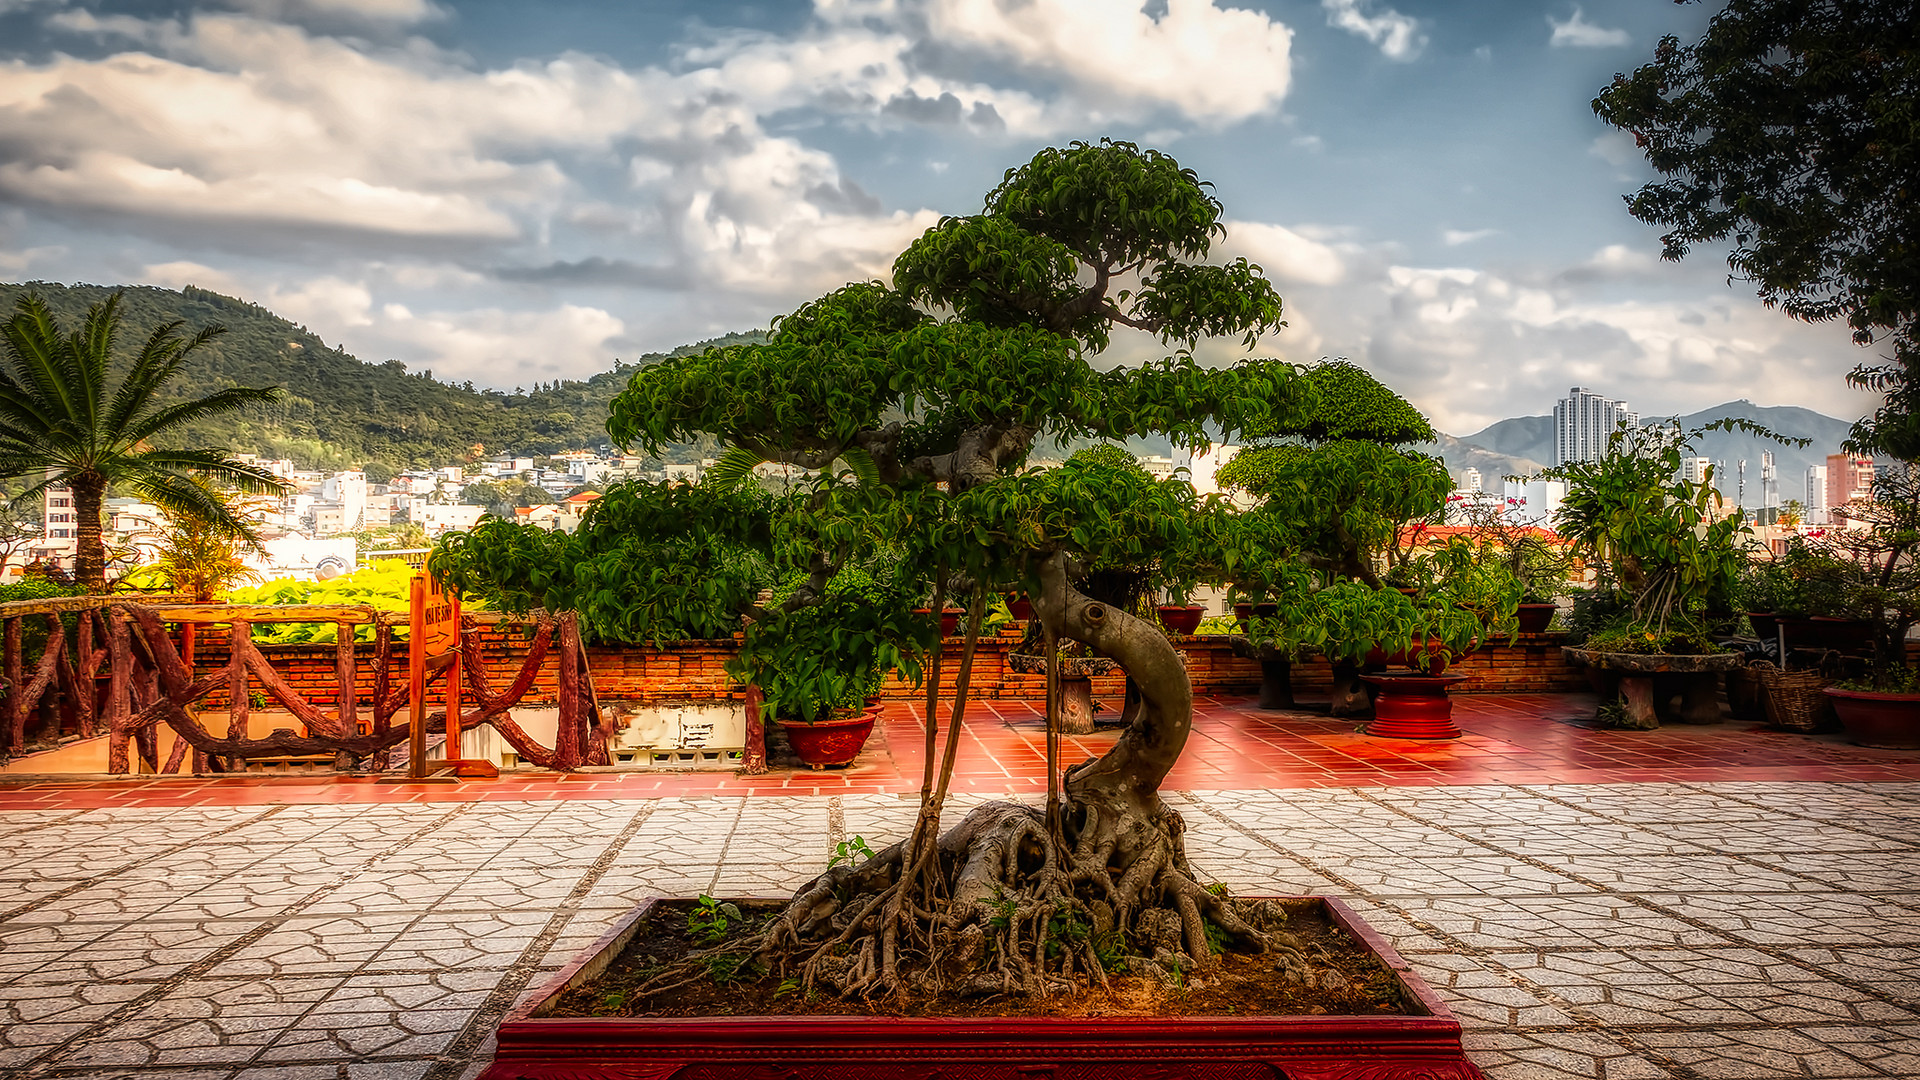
511	195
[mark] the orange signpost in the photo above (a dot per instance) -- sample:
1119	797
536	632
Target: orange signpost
433	644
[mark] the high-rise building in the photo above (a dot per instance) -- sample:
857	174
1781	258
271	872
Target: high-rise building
1694	469
1470	479
1816	494
1848	478
1584	422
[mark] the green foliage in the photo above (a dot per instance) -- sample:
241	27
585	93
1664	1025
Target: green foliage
1789	128
852	852
1349	404
708	919
1067	930
650	562
30	588
382	585
1659	538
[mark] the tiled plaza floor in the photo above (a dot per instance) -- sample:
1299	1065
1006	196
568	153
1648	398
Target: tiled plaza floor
1706	924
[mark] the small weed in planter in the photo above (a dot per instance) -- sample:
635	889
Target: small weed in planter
707	922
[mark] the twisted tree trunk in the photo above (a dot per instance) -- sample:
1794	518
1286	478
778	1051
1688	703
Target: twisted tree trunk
1017	900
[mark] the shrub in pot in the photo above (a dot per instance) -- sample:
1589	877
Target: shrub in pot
1875	579
1666	554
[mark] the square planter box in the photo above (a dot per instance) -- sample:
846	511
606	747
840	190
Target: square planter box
536	1046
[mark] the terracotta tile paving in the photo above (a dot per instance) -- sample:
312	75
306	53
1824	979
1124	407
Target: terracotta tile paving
1683	904
1511	739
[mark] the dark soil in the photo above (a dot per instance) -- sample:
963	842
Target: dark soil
1245	984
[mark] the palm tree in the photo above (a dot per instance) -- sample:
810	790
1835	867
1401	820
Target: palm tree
71	416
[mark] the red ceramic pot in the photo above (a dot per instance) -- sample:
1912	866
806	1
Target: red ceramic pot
1886	720
1413	707
835	741
1534	618
1182	618
1020	607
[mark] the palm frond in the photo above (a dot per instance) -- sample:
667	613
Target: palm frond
215	465
158	362
733	467
36	359
89	357
183	497
218	403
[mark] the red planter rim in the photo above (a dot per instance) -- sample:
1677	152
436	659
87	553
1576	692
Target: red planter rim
1869	695
1346	1047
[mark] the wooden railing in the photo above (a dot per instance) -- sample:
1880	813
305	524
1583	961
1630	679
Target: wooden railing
58	693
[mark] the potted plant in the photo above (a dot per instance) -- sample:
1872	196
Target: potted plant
1877	579
817	665
1667	552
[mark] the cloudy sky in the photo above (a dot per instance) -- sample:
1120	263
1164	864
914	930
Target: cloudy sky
512	192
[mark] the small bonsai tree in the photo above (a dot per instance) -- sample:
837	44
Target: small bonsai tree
1336	487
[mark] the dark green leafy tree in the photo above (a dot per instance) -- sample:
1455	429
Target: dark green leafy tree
75	414
1789	129
1335	489
920	404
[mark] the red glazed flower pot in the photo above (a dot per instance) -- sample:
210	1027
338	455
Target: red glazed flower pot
1413	707
1534	618
1182	618
1891	721
1020	607
836	741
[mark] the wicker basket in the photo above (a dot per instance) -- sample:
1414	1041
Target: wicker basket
1793	698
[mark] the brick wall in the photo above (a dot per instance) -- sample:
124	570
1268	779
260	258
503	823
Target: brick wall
692	670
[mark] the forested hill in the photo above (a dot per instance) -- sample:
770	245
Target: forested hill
338	410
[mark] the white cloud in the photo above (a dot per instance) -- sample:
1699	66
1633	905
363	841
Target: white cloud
393	12
492	346
1470	346
182	272
1578	33
1107	51
1456	237
1616	148
1285	255
1398	36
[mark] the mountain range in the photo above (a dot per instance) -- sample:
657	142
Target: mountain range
340	411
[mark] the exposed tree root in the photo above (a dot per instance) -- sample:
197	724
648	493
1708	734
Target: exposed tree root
1005	902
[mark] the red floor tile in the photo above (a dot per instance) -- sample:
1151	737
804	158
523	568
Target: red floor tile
1516	738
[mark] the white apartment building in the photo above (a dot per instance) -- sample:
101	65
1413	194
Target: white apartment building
1470	479
1160	468
1533	502
348	491
1816	498
439	518
1695	469
1583	423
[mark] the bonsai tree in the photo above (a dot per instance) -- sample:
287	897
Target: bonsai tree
1336	486
920	403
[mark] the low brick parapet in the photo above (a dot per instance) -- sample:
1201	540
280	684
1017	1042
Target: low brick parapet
695	670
